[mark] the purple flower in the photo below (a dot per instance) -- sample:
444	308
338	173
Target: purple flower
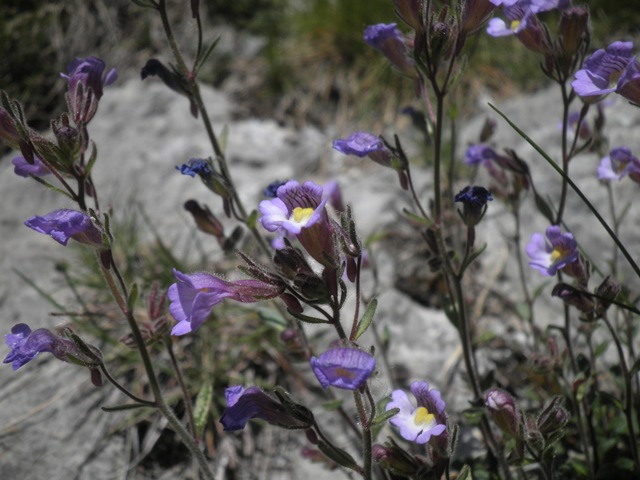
194	296
195	166
617	164
419	423
300	210
503	410
474	201
26	345
479	153
64	224
601	71
245	404
365	144
629	82
550	256
271	189
346	368
389	40
86	81
23	168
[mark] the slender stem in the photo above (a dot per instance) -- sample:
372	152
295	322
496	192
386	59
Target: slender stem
523	280
183	387
116	384
356	313
565	154
628	393
366	435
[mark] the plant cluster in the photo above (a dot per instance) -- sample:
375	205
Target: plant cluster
305	258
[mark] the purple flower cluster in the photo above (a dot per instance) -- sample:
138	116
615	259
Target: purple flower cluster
614	69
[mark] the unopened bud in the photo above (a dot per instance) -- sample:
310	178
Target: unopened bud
504	411
553	417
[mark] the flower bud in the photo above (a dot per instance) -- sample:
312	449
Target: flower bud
609	290
410	12
504	411
574	28
474	200
553	417
395	459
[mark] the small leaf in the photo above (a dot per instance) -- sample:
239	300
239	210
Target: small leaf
367	317
223	138
201	409
425	221
635	369
133	296
473	256
465	473
338	455
332	405
600	349
252	219
307	318
208	52
384	416
92	158
544	208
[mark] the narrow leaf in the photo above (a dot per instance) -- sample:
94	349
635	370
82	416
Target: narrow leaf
201	409
384	416
425	221
366	318
338	455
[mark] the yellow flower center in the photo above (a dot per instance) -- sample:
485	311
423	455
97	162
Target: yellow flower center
556	254
302	215
423	417
515	24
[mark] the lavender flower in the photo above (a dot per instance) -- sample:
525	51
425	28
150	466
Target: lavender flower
245	404
86	81
389	40
365	144
601	71
23	168
550	256
479	153
346	368
64	224
299	210
26	345
474	200
194	296
420	423
617	164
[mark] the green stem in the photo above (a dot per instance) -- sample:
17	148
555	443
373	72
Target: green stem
183	387
628	393
366	435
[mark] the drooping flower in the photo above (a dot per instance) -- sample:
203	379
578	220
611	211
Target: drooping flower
86	82
26	345
271	189
64	224
550	256
195	166
23	168
389	40
245	404
194	296
503	410
421	422
346	368
365	144
602	70
299	210
617	164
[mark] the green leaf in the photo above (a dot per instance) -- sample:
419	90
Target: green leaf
600	349
338	455
473	256
473	416
544	208
332	405
384	416
465	473
635	369
208	52
307	318
367	317
252	219
92	158
425	221
201	409
223	138
133	296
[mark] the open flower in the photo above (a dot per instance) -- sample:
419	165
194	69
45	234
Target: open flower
26	345
479	153
299	210
245	404
365	144
64	224
194	296
346	368
196	166
602	70
617	164
419	423
23	168
550	256
629	82
86	81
